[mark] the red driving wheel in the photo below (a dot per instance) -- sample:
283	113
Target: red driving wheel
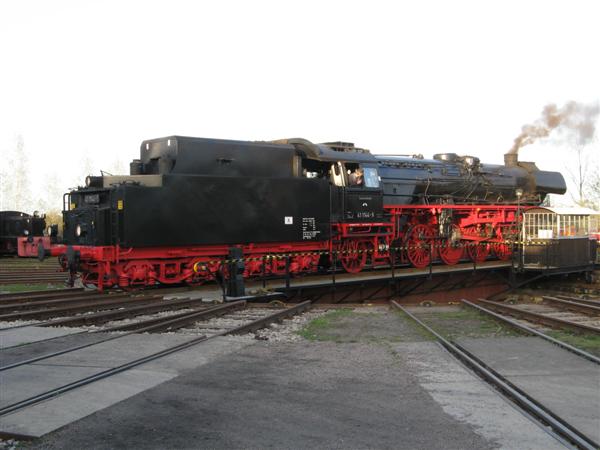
419	243
478	251
451	250
502	250
353	255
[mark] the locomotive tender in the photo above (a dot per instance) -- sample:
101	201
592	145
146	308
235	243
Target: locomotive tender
188	201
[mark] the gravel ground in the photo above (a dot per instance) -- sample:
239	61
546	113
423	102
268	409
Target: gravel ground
136	319
367	380
286	396
287	331
17	323
9	444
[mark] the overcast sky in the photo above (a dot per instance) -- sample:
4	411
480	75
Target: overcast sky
96	78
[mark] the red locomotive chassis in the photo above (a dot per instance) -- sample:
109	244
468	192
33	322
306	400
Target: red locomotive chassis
413	234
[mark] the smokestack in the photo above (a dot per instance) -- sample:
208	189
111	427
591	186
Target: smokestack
511	159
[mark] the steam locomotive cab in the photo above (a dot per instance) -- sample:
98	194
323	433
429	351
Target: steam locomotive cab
355	190
363	202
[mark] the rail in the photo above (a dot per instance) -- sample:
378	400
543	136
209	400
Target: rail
253	325
528	404
533	331
551	322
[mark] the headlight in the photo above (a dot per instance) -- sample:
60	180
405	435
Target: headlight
88	181
78	230
26	232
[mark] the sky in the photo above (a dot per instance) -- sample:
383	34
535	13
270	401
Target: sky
85	82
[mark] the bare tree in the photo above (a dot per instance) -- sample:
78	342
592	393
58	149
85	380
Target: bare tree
21	171
16	190
584	172
85	167
50	199
117	167
593	194
5	187
579	174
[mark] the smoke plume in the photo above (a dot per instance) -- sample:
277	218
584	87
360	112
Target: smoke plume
576	119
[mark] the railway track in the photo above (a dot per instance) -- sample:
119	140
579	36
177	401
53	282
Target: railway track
583	289
529	330
591	299
241	319
34	279
532	407
8	262
562	314
54	293
80	310
94	311
29	272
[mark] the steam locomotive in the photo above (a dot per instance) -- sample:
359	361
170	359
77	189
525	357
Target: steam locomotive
289	205
15	225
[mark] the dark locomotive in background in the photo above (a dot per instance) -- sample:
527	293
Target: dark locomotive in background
188	201
17	224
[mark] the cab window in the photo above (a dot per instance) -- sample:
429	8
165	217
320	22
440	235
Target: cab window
371	177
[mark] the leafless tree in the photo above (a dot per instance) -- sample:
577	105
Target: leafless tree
16	190
117	167
594	188
50	199
579	174
584	173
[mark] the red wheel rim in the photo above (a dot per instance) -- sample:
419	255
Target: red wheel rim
278	266
353	255
478	251
502	251
451	252
419	245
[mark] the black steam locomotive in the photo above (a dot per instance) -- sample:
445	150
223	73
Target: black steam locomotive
188	201
16	224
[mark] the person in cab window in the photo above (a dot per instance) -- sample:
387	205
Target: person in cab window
356	178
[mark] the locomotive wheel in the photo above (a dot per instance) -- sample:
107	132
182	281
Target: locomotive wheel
451	252
478	251
278	266
89	280
420	245
353	255
501	251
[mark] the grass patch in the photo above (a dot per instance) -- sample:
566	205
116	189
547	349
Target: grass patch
13	288
466	322
588	342
379	326
316	329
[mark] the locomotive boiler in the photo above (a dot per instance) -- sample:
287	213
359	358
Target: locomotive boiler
289	205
